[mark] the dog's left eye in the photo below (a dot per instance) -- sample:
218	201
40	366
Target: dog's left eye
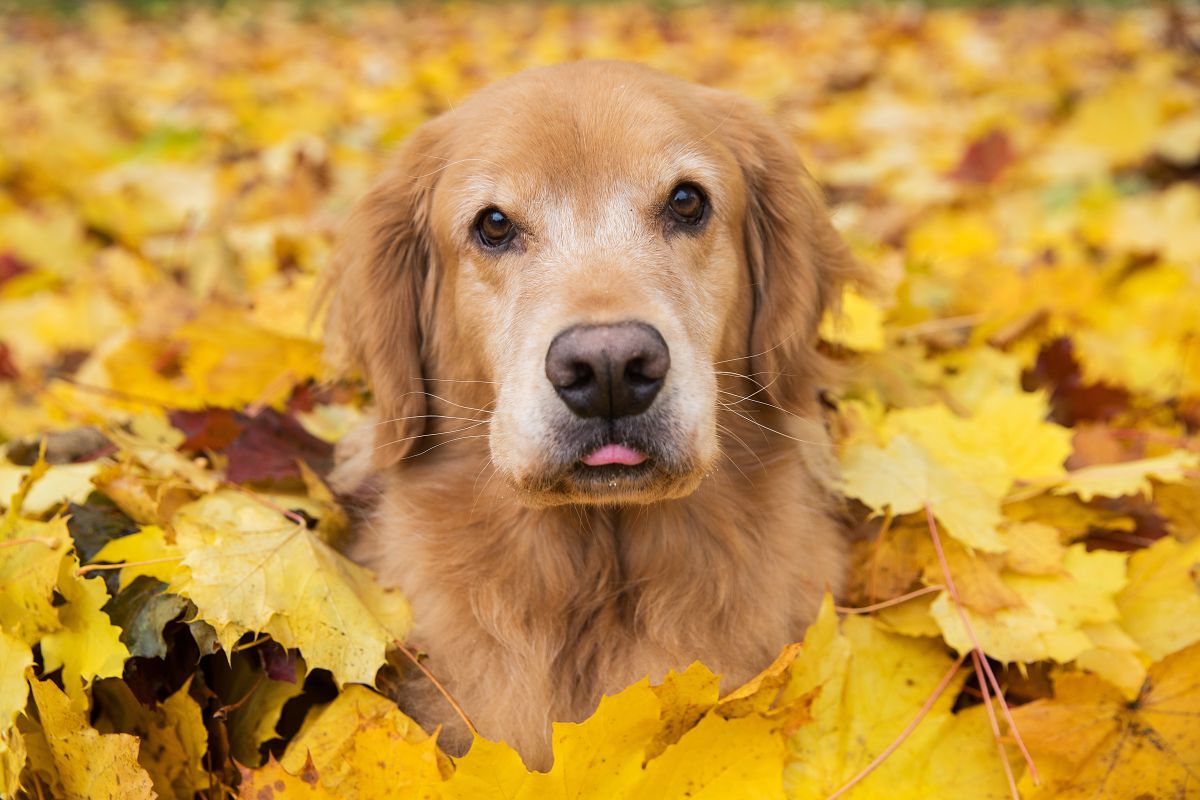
494	228
687	204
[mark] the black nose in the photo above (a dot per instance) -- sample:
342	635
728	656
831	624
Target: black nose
608	370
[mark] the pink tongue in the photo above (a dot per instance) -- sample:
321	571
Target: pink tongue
614	454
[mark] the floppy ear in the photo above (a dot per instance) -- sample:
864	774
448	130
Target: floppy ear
797	260
382	287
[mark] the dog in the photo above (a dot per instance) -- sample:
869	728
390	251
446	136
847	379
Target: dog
586	301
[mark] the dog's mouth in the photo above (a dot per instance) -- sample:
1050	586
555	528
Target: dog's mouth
612	454
613	465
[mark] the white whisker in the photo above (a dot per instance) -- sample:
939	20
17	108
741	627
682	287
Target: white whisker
440	444
450	402
782	342
418	416
434	433
753	421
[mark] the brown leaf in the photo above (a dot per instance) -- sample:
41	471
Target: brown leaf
1089	741
265	447
1071	399
985	158
212	429
8	370
11	267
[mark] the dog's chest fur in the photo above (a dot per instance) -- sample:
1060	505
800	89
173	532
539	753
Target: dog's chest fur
531	615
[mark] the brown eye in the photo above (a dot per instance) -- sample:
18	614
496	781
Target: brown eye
687	204
495	229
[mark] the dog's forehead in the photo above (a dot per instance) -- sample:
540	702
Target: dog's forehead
582	134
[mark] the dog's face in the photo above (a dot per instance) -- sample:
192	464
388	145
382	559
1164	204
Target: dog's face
596	244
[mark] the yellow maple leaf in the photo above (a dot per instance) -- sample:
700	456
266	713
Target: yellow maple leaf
858	324
223	360
1090	741
1163	222
1033	548
29	568
86	645
685	697
1114	656
905	477
273	781
148	551
1160	608
869	686
1109	128
605	755
15	657
172	739
62	483
1180	504
718	758
250	569
1128	477
87	764
12	762
961	467
1054	608
343	739
254	721
1009	426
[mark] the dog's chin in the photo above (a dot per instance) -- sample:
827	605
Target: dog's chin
606	485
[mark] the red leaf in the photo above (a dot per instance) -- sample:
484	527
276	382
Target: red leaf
269	446
1072	400
212	429
11	267
985	158
279	664
262	448
8	370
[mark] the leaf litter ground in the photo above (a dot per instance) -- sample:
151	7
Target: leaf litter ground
1017	436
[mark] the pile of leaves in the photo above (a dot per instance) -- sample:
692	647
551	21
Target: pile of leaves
1017	435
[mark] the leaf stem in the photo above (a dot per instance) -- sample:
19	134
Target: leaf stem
292	515
977	661
986	668
895	601
904	734
438	685
49	541
123	564
884	529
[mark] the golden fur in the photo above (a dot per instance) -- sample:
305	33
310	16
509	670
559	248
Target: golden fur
536	593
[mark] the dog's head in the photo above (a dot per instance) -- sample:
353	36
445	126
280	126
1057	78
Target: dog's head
586	254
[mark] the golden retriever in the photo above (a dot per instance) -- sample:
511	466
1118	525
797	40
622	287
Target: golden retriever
586	301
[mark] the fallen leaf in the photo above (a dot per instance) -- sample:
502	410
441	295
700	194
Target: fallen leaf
1089	741
142	610
172	737
858	712
62	484
985	158
1048	624
250	569
260	784
86	644
1128	478
15	658
88	765
1160	606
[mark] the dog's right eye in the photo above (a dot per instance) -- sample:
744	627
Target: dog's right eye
494	229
